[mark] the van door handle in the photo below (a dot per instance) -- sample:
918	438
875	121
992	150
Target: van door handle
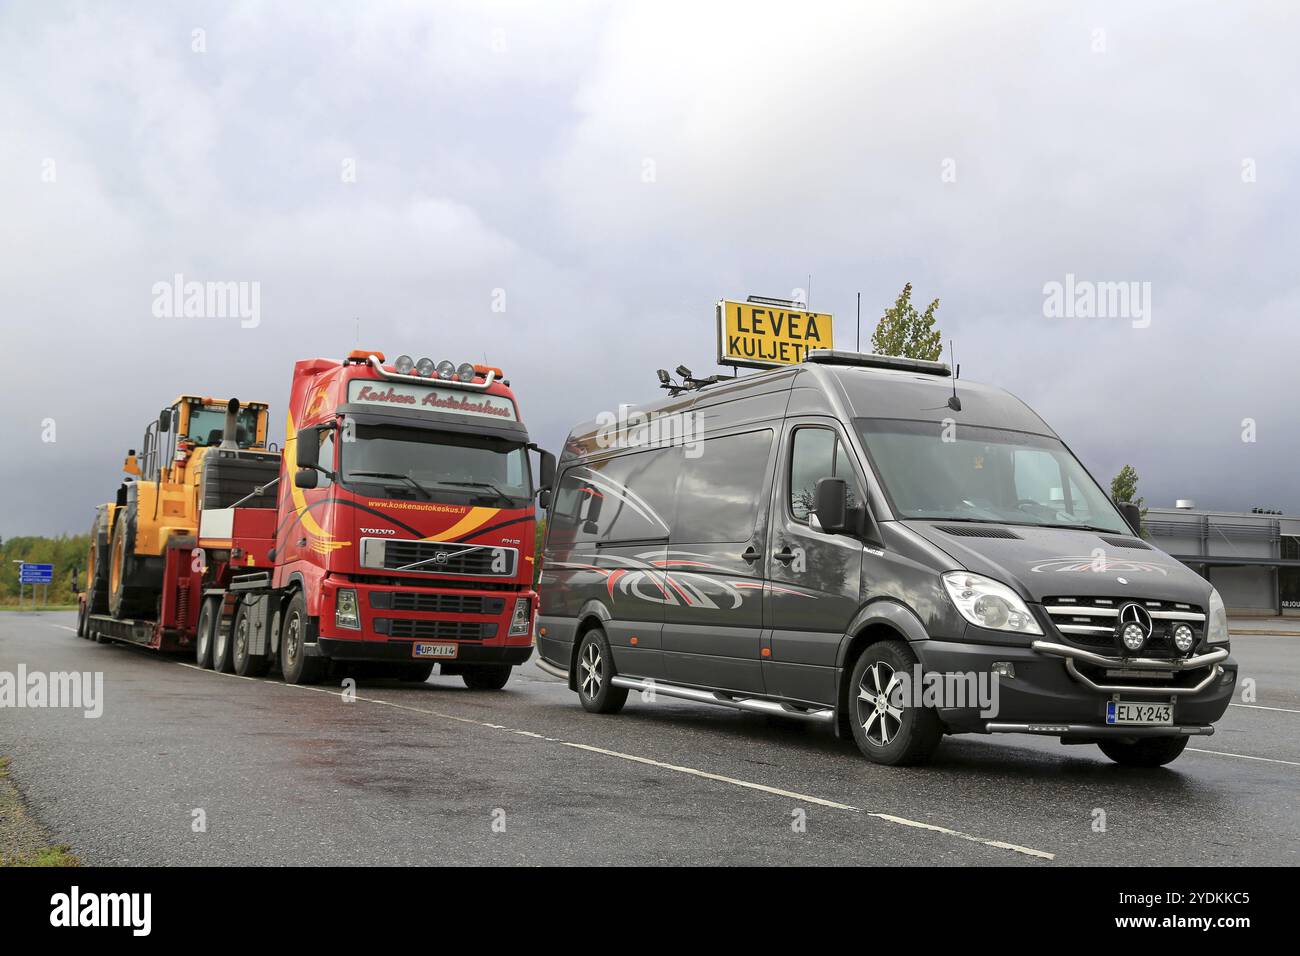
751	554
785	555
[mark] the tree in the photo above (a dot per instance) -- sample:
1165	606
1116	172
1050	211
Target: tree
1124	486
904	332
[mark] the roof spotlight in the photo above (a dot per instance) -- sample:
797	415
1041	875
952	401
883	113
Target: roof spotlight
424	367
1184	638
403	365
684	372
446	370
466	372
664	377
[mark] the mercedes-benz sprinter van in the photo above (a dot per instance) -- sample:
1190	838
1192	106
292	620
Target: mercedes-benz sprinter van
869	542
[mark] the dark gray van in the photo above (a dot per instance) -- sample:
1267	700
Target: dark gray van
868	542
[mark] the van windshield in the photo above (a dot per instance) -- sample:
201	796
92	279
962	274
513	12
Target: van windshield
960	472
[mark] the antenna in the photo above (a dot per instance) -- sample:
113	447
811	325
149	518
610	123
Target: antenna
859	321
954	402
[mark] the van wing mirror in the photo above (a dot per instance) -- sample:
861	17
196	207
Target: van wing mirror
1132	514
306	478
308	448
592	523
831	505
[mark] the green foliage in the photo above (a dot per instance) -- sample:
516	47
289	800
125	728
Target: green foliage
1124	486
537	551
68	555
904	332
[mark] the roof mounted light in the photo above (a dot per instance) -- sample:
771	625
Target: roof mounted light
403	365
466	372
363	356
424	368
446	370
865	360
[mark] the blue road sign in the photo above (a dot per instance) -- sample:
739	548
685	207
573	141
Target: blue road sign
35	573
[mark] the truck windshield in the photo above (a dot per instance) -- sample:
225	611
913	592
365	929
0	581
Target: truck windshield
436	465
207	424
974	473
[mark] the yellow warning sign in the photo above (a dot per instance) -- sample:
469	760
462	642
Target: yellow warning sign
763	335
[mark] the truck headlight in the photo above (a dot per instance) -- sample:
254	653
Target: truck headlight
1216	631
345	609
520	623
988	603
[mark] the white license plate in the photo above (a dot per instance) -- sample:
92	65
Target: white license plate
434	650
1139	713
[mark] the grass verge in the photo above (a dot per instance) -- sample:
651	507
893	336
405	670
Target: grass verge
23	841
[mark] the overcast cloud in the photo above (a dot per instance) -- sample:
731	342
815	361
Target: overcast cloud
617	168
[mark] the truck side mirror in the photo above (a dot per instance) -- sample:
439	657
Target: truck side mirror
831	501
308	449
1132	514
306	478
165	420
544	499
547	469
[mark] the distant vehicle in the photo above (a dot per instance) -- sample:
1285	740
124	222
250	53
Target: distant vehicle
395	531
867	542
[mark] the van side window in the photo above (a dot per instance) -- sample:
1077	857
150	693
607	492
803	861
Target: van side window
626	498
817	453
719	491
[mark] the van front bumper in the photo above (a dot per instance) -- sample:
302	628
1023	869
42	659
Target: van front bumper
1062	691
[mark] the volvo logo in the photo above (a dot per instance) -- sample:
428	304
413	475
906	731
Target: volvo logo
441	557
1134	626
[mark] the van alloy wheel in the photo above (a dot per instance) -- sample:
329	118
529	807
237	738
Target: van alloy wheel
884	721
592	675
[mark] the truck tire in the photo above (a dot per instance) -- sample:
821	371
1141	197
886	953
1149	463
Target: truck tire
209	620
223	660
241	639
81	618
595	670
98	562
885	732
295	665
1144	752
134	584
486	676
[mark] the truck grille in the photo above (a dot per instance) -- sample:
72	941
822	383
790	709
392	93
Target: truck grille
435	630
1091	621
436	603
435	557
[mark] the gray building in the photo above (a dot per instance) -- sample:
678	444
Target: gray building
1253	559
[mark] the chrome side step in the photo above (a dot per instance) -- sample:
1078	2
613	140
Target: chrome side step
750	704
1101	730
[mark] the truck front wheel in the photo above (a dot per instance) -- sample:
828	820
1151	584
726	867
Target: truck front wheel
295	665
486	676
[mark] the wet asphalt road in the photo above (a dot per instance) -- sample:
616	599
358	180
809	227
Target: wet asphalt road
438	774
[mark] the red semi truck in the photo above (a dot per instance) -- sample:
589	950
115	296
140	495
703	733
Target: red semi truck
402	535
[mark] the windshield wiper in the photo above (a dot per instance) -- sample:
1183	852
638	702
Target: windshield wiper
392	474
1082	527
481	484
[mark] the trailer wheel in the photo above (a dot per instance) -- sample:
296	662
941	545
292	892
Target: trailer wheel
295	665
486	676
223	661
245	664
209	619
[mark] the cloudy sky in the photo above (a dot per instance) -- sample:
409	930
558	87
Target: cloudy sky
615	169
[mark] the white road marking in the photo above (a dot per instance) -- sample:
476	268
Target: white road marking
65	627
1220	753
1280	710
691	771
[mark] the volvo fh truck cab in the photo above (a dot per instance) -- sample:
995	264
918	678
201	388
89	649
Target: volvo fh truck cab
867	542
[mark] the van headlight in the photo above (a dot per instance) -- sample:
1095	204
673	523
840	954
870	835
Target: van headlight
988	603
520	621
345	609
1216	630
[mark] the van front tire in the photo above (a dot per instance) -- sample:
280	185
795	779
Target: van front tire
888	730
1146	752
595	671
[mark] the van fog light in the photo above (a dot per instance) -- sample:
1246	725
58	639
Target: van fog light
345	610
1133	637
1184	638
1004	669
